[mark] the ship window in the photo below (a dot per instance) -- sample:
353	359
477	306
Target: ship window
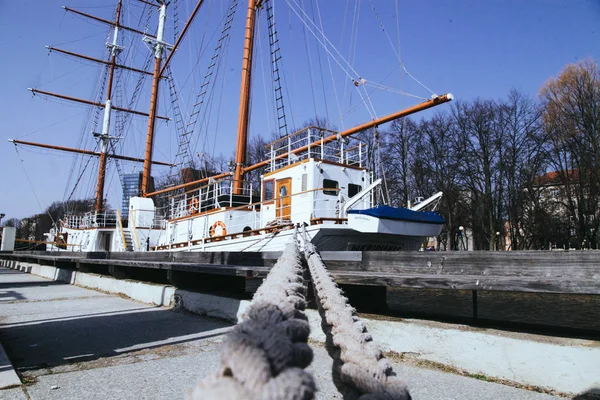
304	182
353	189
330	184
268	189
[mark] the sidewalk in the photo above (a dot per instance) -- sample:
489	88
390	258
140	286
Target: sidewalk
68	342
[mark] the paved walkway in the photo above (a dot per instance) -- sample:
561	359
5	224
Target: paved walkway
72	343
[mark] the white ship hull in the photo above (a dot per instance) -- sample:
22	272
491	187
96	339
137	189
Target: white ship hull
326	237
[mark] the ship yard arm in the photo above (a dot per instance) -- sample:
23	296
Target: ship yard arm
359	128
86	152
105	21
107	106
91	103
97	60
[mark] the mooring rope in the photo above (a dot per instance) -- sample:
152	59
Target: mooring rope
265	355
360	370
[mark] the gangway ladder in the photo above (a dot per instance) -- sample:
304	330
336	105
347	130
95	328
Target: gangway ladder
275	58
125	234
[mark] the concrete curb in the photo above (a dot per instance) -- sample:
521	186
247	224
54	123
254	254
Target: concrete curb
8	375
159	295
568	368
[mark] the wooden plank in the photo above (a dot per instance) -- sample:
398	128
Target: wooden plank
471	282
545	264
214	269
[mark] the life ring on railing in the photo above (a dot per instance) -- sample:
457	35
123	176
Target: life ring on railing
213	229
194	205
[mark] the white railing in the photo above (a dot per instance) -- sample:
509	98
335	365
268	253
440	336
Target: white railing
90	220
347	151
213	195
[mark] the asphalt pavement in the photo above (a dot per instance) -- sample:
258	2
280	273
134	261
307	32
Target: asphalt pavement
68	342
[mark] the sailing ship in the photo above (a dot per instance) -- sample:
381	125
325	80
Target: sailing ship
314	177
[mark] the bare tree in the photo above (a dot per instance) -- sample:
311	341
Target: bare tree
479	143
400	143
571	117
523	161
436	167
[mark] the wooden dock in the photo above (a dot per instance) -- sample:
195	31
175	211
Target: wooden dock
367	277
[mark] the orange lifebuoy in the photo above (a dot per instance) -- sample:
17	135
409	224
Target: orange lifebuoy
194	205
213	229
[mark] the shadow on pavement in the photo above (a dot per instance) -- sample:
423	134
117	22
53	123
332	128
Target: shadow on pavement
55	342
10	295
28	284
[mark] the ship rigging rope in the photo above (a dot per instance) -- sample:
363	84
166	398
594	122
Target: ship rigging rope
79	178
264	82
363	370
339	59
397	51
357	80
37	199
335	94
265	355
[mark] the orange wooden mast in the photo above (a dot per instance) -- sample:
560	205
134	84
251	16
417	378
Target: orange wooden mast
243	116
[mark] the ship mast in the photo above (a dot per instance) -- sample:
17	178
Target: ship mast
108	107
104	136
243	116
159	47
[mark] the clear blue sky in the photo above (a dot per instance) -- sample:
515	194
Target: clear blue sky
470	48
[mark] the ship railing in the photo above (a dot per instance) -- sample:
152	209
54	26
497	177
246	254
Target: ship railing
347	151
107	219
213	195
159	222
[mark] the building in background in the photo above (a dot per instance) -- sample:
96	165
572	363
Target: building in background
132	187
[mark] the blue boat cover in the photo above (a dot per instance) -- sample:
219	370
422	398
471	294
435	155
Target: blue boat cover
402	214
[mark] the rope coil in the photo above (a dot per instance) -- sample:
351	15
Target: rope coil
265	355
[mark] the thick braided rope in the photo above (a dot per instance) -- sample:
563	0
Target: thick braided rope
265	355
364	370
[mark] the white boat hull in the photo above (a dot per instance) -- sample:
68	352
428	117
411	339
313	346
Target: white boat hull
369	224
